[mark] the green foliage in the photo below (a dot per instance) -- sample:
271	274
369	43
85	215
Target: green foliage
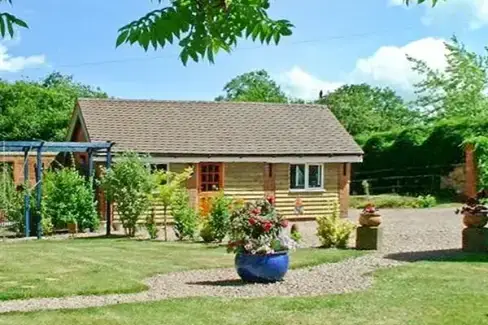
203	28
129	184
9	21
426	201
459	91
392	201
150	224
206	232
40	110
219	218
11	200
68	198
185	218
333	231
437	149
295	233
166	184
254	86
363	109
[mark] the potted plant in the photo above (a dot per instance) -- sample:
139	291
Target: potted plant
258	239
474	214
72	224
370	216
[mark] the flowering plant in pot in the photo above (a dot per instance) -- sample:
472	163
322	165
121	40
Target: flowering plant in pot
370	217
260	242
474	213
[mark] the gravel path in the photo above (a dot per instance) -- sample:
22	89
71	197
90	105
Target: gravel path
407	235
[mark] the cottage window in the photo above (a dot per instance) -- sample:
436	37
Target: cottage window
306	177
210	177
159	167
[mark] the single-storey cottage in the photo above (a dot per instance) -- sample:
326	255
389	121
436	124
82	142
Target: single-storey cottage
300	154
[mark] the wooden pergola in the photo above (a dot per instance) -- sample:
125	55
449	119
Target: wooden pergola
91	148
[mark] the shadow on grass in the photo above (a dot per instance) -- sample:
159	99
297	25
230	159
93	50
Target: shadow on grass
220	283
98	237
448	255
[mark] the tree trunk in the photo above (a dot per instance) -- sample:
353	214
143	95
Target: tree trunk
165	223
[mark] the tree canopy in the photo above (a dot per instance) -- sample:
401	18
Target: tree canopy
40	110
254	86
201	28
365	109
459	90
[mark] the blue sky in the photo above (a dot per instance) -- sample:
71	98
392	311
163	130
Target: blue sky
334	42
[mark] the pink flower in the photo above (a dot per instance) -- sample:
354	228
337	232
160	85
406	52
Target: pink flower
284	223
252	221
267	226
256	211
271	199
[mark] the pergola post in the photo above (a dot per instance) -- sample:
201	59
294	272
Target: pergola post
90	166
108	210
39	191
26	194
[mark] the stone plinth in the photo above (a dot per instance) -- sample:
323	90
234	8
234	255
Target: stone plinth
475	240
368	238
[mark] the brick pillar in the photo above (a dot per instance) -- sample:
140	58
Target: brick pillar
470	172
344	187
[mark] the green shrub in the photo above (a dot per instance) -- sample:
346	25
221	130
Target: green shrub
151	227
334	231
206	233
184	216
68	198
11	202
219	218
129	185
295	233
427	201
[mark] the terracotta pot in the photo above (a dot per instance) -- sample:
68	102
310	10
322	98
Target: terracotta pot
477	220
72	228
370	219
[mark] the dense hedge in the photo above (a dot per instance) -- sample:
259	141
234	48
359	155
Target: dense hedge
412	160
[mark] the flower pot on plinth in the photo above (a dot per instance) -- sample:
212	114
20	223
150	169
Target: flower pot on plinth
370	219
262	268
475	220
72	228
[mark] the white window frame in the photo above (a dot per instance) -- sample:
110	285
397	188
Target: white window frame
307	187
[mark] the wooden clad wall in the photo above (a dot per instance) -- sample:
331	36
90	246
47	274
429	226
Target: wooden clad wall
244	180
315	204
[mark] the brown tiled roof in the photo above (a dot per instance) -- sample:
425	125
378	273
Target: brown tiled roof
216	128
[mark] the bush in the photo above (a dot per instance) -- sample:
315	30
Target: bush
68	198
393	201
295	233
11	202
219	218
185	218
427	201
206	233
151	226
129	185
334	231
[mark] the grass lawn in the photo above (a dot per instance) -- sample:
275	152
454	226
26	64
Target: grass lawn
101	266
444	293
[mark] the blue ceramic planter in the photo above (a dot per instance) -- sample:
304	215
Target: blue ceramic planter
262	268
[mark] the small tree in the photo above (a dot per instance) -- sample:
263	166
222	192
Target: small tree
167	183
129	184
69	198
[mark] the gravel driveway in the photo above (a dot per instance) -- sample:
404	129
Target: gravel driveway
407	235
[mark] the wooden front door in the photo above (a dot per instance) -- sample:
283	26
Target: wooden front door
210	177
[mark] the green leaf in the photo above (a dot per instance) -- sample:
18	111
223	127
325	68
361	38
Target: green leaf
194	55
10	27
19	22
277	37
122	38
2	26
184	56
210	54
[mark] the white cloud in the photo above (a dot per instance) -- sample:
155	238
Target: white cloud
388	66
475	12
300	84
11	63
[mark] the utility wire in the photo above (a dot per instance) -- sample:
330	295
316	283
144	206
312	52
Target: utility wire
175	55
